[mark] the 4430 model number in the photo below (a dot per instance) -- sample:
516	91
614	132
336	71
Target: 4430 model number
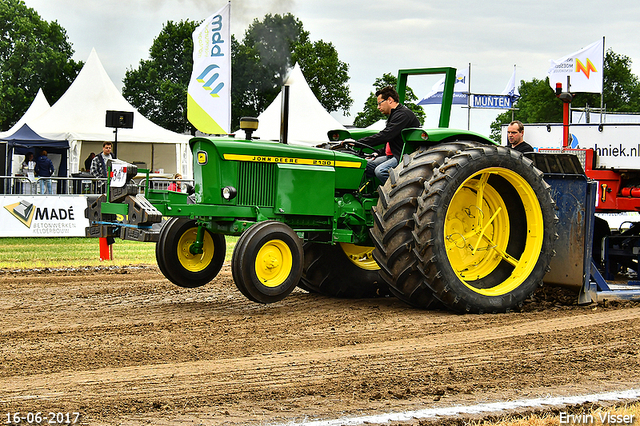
38	418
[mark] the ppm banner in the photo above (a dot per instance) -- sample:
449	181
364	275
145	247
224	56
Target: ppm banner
209	92
584	69
42	216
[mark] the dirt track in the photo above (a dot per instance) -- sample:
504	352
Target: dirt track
125	346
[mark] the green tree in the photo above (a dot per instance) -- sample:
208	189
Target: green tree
370	113
158	87
34	54
268	51
328	75
538	103
259	65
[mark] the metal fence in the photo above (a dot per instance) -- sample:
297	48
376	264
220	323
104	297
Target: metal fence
22	185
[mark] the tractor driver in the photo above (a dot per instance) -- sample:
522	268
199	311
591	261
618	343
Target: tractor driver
400	117
515	136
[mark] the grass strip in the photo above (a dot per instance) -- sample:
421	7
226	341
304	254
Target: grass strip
27	253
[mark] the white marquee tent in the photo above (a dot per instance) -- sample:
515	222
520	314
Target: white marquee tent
79	116
39	106
309	122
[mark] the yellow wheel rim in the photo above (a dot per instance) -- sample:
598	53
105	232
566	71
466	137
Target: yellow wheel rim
477	232
361	256
195	262
274	262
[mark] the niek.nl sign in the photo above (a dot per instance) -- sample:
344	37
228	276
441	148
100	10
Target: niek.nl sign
42	216
492	101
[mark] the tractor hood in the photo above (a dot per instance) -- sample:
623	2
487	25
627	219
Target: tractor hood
263	173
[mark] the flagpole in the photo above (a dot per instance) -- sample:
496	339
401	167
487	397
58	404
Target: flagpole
469	100
602	90
513	108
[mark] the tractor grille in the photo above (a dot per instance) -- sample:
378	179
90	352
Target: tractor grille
256	184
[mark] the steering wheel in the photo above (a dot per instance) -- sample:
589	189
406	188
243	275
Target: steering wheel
349	147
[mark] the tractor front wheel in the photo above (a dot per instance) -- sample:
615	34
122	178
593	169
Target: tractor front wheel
267	262
178	260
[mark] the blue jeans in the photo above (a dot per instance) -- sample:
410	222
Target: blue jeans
45	182
380	166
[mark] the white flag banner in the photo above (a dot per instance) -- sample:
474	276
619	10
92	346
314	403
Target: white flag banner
461	86
460	90
209	93
584	67
511	89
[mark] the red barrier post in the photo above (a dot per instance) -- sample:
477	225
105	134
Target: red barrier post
106	250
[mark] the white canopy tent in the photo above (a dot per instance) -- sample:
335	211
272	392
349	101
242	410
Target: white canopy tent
39	106
79	116
378	125
308	123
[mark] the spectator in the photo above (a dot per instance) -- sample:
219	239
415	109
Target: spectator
515	136
44	169
175	186
87	162
99	163
28	169
26	166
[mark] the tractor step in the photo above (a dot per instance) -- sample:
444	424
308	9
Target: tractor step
102	231
141	235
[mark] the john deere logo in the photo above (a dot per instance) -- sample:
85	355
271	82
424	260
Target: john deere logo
23	211
211	80
202	158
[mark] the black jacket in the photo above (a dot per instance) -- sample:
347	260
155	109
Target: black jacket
400	118
44	167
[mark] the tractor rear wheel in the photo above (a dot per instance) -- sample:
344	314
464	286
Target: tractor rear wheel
393	227
267	262
485	230
176	259
341	270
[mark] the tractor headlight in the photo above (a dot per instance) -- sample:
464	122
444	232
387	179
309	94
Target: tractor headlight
229	193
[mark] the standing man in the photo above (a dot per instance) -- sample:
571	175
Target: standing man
400	118
99	163
44	169
515	136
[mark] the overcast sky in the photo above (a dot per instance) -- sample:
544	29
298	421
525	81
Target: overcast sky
375	37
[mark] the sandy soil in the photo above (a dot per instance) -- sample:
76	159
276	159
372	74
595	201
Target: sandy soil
125	346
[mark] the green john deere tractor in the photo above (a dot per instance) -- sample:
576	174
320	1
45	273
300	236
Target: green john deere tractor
461	222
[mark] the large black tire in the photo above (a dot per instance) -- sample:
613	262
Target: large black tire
341	270
176	261
267	262
485	230
393	227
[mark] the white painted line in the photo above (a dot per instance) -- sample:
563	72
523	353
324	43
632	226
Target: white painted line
470	409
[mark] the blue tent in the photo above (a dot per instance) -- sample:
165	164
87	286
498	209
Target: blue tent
26	140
